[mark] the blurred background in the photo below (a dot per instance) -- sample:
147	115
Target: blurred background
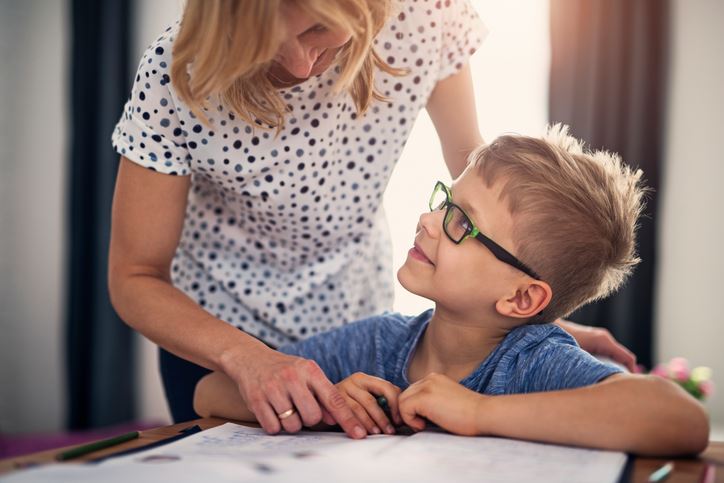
643	78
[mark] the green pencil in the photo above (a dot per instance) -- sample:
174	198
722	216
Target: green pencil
91	447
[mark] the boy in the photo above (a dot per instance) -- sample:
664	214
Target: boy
486	360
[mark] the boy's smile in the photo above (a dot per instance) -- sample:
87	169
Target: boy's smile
418	254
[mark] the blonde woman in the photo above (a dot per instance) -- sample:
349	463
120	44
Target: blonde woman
255	149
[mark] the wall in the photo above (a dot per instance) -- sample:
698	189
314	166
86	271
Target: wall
691	260
150	19
34	38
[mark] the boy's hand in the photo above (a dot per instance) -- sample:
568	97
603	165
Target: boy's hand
443	401
360	392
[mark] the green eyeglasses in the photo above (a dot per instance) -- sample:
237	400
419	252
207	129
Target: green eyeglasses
458	226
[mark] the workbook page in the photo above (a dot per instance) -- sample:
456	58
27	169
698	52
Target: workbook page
233	453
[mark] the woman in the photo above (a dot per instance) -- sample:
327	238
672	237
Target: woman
282	122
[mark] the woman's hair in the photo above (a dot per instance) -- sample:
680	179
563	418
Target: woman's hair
574	213
224	48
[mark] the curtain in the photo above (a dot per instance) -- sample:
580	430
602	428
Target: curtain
607	81
99	346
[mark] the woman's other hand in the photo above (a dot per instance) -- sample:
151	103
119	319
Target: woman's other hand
596	340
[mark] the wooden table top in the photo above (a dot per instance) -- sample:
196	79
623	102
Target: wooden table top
685	469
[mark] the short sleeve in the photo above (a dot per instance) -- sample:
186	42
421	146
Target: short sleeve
340	352
556	363
149	131
462	34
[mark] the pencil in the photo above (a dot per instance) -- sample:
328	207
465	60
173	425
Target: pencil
91	447
662	473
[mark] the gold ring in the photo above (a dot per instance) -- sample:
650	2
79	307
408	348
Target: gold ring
286	413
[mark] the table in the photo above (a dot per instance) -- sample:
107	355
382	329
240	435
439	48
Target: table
685	470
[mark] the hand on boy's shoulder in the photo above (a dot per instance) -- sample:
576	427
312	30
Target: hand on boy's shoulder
599	341
549	359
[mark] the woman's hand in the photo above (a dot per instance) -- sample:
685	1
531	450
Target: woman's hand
599	341
443	401
271	383
360	390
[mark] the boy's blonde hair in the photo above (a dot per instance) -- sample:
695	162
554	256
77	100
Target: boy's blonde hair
574	213
224	48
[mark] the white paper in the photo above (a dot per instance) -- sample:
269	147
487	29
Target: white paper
232	452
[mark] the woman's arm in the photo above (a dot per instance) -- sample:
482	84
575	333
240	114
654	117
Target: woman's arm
638	414
452	109
147	219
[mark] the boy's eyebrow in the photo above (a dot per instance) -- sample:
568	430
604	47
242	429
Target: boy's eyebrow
473	214
469	209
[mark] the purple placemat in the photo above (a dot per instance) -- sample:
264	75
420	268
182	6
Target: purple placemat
20	444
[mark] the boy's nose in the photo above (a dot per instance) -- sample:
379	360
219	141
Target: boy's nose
431	222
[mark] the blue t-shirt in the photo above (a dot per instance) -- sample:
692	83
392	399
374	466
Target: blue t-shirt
531	358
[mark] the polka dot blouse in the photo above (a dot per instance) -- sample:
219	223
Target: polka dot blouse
285	236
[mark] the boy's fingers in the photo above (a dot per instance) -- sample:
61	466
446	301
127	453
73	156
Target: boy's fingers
369	404
392	394
333	401
408	405
363	416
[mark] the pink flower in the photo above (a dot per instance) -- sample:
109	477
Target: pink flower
660	370
679	368
706	388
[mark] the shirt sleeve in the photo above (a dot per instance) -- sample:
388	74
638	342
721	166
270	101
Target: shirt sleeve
557	363
462	34
342	351
149	131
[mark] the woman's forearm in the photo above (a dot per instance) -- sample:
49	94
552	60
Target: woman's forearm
637	414
165	315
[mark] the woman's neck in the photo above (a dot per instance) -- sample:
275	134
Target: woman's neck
454	346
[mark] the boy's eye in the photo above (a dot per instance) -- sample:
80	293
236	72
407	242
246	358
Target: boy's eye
463	222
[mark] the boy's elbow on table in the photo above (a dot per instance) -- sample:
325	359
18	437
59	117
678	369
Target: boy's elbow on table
694	420
680	424
217	395
201	399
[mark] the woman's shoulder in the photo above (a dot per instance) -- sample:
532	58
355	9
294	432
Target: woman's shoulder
156	58
432	38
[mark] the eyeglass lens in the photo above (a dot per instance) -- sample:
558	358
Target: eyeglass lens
455	223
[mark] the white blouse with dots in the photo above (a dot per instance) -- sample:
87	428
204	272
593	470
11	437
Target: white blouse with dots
285	236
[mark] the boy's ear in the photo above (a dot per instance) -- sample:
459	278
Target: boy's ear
527	301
